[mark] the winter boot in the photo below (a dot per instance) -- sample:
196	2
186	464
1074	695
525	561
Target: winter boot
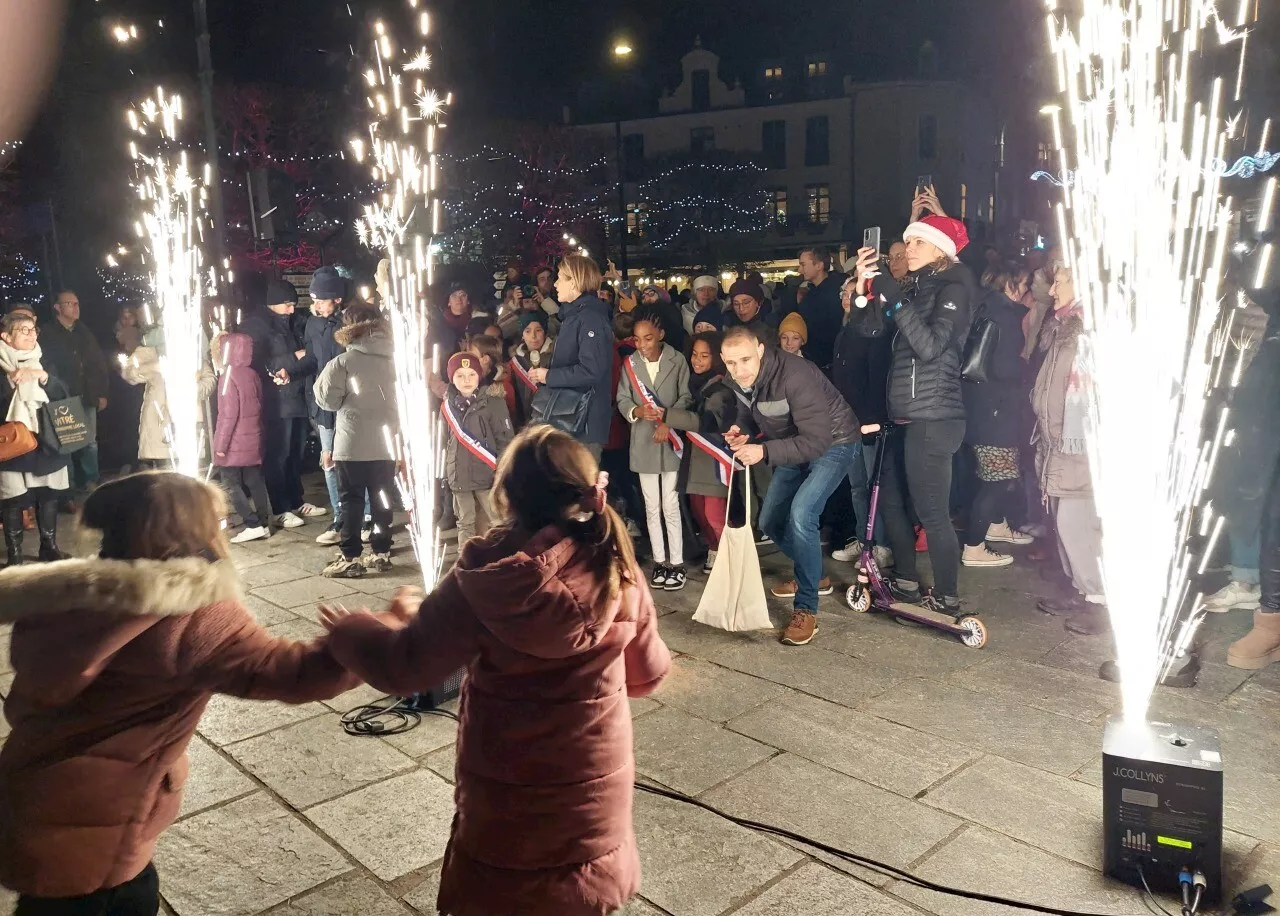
13	536
47	520
1261	646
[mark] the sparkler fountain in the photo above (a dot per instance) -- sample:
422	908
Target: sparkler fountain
174	194
401	148
1145	231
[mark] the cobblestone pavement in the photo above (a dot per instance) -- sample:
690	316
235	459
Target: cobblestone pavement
975	768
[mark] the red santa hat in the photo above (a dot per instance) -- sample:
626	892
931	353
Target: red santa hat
943	232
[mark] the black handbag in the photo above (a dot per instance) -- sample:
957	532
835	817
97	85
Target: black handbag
66	427
566	409
979	350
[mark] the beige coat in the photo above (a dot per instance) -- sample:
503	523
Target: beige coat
1060	474
143	368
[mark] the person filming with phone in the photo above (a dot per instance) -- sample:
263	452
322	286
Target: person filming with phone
931	308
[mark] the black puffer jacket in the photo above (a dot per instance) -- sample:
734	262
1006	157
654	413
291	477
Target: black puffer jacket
996	410
933	312
797	412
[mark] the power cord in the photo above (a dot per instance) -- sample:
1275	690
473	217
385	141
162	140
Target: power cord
380	719
873	864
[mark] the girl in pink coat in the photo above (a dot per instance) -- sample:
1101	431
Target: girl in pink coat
553	621
237	440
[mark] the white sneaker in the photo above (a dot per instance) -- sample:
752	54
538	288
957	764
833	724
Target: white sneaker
289	520
251	534
1003	534
1235	595
306	510
849	552
883	556
710	562
981	556
366	533
329	537
633	529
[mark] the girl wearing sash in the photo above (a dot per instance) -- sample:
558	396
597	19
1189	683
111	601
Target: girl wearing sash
479	429
534	352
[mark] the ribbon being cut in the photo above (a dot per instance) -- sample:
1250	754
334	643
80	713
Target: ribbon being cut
719	454
677	444
465	439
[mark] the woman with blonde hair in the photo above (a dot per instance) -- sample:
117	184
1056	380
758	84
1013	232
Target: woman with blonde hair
584	353
553	621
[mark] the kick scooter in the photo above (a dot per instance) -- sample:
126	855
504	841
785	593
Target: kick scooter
871	594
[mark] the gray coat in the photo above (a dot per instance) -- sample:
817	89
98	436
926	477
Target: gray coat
360	387
671	389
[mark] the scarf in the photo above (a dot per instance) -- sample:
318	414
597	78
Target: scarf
27	395
698	382
1075	414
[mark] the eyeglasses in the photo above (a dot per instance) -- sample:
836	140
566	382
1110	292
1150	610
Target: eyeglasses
900	256
25	330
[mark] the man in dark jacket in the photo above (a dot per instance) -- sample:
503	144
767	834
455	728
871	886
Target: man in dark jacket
72	353
792	418
583	361
278	355
821	309
327	292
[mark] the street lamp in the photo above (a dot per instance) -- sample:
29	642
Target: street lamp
622	52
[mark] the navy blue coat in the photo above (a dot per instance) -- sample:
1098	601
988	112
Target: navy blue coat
318	341
583	360
275	341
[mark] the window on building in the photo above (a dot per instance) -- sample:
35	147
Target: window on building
818	198
633	157
701	90
964	201
773	141
773	82
1043	154
773	74
776	206
817	68
928	138
817	141
702	139
637	220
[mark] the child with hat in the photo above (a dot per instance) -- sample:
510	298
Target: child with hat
793	334
533	352
479	429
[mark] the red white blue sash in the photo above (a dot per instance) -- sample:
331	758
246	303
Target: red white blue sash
677	444
721	456
522	373
466	440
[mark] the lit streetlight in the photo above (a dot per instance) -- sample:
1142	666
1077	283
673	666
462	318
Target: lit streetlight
622	49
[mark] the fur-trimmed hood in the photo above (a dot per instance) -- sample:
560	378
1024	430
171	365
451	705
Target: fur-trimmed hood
362	331
132	588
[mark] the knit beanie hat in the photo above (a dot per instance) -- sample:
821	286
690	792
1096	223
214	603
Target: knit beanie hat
747	288
280	292
793	322
712	314
700	282
463	361
326	283
946	233
529	318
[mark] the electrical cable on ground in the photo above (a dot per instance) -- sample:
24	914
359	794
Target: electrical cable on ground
379	719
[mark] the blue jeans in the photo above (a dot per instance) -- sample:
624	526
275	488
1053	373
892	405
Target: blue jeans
861	466
1244	559
84	463
790	515
331	478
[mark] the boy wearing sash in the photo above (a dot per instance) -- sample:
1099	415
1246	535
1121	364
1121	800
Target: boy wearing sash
478	428
655	379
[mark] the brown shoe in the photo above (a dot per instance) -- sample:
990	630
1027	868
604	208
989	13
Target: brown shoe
801	630
1260	647
789	589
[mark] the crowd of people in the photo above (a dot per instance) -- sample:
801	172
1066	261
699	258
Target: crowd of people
588	425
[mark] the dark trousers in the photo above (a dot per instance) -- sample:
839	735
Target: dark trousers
376	482
235	481
996	501
918	462
286	444
139	897
1269	559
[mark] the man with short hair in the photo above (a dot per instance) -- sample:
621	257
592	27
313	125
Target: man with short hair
898	260
328	291
792	419
821	309
544	292
72	354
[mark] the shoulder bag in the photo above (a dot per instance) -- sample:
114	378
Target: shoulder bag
564	408
979	349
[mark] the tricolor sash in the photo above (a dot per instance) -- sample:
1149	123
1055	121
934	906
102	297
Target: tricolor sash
677	444
720	455
465	439
522	373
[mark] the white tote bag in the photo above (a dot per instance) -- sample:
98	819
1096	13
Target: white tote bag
734	598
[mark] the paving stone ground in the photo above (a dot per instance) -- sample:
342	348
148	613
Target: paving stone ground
975	768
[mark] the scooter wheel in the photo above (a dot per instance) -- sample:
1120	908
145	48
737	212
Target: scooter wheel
975	636
858	598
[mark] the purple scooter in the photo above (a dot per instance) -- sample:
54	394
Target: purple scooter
871	592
